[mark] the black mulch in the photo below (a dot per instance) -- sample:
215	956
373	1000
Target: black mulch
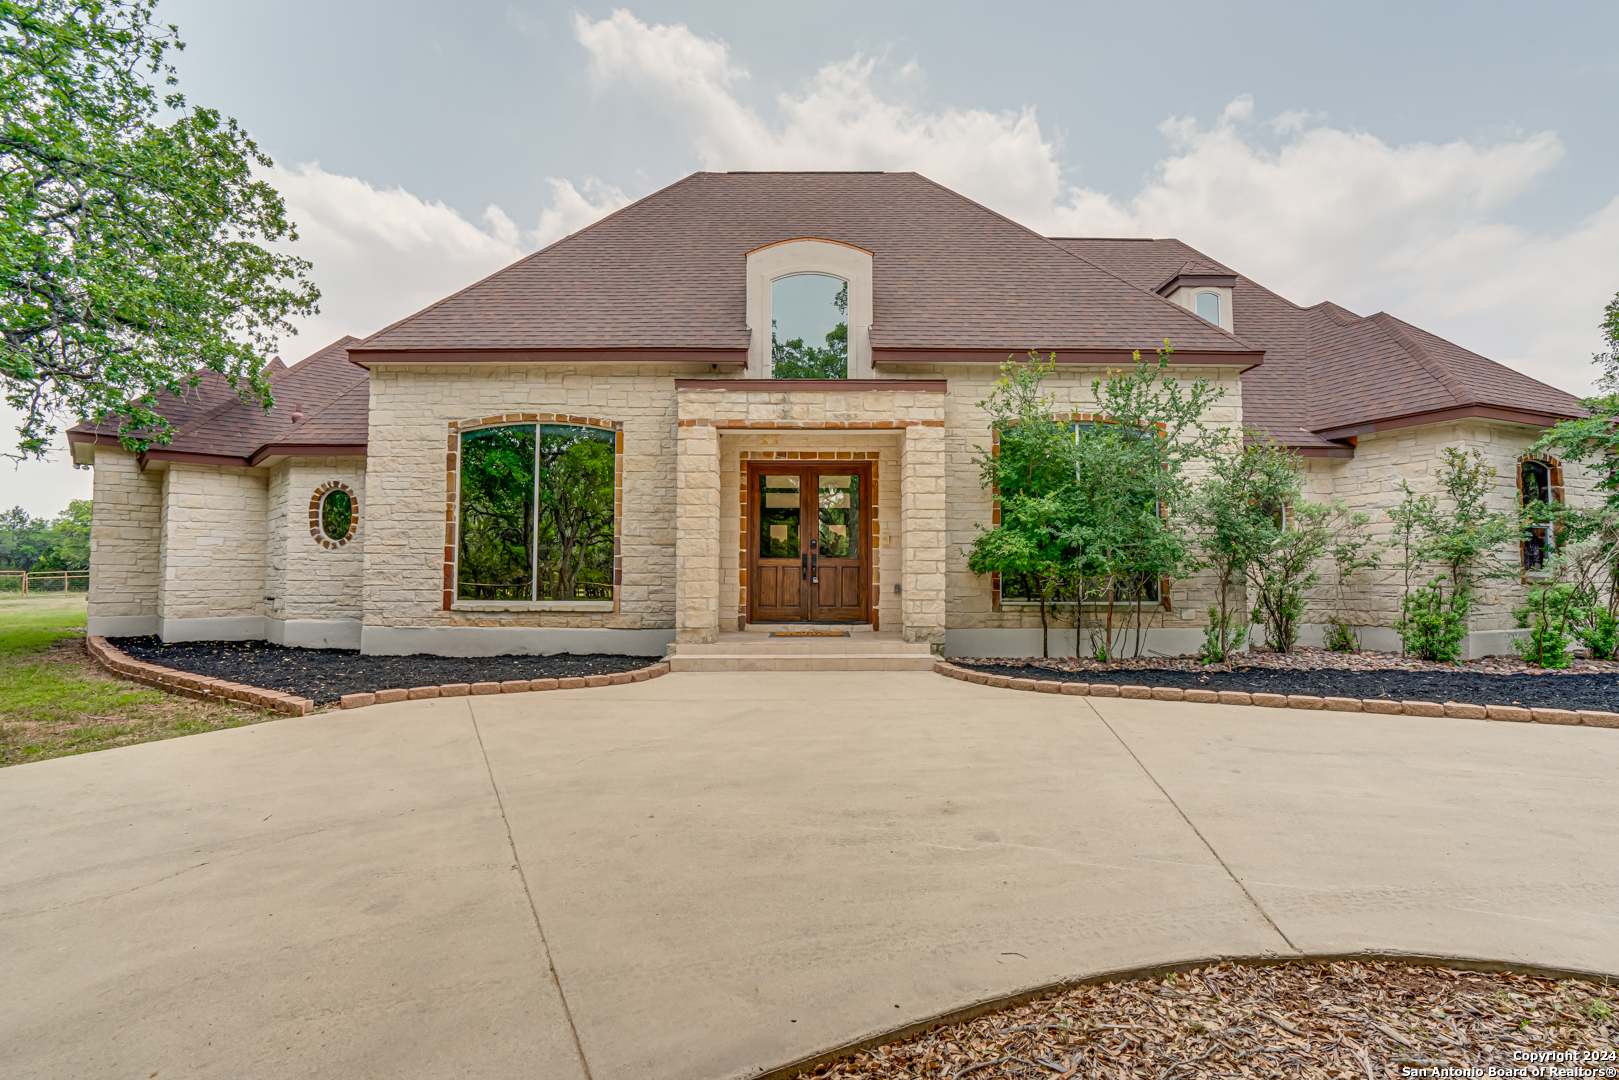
325	675
1596	692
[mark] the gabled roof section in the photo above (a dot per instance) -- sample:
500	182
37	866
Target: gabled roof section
669	272
329	396
1329	373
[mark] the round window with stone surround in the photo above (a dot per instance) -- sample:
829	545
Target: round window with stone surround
334	514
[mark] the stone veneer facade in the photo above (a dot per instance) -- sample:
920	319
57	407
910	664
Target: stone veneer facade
197	551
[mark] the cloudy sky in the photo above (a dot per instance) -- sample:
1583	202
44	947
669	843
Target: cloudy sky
1454	164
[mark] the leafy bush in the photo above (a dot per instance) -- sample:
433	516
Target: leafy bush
1340	635
1225	634
1430	627
1549	609
1599	633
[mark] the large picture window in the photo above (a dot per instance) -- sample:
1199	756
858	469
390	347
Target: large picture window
536	518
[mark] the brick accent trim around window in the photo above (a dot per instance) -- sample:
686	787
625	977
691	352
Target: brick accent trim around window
813	425
319	498
452	478
745	501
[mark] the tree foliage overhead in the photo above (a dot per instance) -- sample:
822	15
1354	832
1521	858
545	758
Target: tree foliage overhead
131	250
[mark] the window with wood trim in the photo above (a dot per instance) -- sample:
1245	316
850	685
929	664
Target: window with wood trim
536	513
1540	483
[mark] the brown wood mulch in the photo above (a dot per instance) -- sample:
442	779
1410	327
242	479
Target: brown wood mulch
1359	1020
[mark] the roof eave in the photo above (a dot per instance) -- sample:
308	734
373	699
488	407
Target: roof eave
634	354
1244	360
1477	410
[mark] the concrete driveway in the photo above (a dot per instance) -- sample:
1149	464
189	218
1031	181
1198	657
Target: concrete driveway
712	875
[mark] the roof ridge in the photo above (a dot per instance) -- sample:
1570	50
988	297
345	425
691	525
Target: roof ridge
1148	292
1454	385
531	256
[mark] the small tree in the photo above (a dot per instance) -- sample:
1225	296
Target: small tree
1594	439
1349	553
1462	542
1031	470
1233	516
1131	474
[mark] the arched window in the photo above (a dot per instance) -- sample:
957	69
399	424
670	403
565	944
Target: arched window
1539	484
1208	306
809	327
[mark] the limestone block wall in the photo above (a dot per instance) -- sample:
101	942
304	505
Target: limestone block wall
310	581
1370	481
788	445
405	528
124	524
214	551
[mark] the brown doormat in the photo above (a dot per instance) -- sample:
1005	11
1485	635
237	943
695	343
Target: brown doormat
809	633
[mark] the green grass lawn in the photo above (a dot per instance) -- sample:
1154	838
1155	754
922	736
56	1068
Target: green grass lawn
55	700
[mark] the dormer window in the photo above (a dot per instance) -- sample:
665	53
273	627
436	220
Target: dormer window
809	327
1208	306
809	310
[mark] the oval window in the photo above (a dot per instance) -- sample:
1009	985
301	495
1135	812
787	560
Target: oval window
336	514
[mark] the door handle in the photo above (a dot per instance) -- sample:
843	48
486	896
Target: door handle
803	567
815	578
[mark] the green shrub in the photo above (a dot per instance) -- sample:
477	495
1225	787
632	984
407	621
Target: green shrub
1430	627
1341	636
1549	610
1224	635
1600	633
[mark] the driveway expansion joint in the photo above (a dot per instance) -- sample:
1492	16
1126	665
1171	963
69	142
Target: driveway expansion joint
528	894
1235	880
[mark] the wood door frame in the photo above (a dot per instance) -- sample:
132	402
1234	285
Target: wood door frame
864	469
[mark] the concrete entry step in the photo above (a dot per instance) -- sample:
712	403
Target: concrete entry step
801	662
806	627
742	651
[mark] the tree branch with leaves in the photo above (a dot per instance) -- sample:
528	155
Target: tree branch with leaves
133	252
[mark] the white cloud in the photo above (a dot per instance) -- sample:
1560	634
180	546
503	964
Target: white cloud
1417	230
380	254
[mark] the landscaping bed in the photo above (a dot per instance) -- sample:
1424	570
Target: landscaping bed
325	675
1360	1020
1585	688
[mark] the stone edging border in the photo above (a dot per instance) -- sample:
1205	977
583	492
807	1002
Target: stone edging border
188	684
510	686
202	687
1288	701
803	1066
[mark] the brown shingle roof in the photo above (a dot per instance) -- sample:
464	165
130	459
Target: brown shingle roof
1328	371
210	420
670	272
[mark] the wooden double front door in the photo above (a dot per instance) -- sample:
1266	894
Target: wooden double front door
809	546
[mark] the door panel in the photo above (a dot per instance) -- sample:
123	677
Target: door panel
778	546
809	545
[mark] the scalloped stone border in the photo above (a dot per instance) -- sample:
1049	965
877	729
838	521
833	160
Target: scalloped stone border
202	687
511	686
188	684
1514	713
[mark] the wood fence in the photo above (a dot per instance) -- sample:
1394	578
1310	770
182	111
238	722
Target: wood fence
27	583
